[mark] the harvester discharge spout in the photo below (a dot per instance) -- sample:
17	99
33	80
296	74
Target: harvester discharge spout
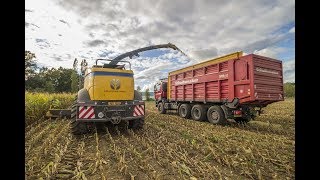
136	52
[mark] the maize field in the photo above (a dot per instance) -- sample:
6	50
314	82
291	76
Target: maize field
168	147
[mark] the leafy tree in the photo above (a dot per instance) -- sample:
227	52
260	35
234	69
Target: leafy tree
35	82
147	93
30	65
51	80
64	81
289	89
139	90
48	87
74	81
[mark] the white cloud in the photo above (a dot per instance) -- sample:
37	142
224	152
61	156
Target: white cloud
204	54
202	29
149	86
272	51
292	30
289	71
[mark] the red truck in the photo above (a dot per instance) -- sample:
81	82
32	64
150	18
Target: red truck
231	87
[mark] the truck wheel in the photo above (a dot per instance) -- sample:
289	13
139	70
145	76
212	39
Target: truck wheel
136	124
161	108
198	112
215	115
77	128
185	111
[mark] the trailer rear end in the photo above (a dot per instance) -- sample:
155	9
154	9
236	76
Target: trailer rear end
238	86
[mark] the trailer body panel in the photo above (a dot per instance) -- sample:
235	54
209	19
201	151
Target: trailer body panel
253	79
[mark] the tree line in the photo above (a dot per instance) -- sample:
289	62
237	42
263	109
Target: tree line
43	79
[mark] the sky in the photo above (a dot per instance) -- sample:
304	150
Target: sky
60	31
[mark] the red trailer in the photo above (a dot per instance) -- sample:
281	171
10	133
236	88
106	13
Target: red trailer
229	87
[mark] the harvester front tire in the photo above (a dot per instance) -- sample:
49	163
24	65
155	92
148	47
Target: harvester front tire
185	111
77	128
136	124
198	112
216	115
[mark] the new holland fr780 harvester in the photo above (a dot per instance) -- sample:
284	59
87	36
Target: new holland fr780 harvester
107	94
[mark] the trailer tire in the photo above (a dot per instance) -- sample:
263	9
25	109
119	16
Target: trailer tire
198	112
185	111
77	128
161	108
136	124
216	115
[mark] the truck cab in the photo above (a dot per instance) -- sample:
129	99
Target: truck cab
160	90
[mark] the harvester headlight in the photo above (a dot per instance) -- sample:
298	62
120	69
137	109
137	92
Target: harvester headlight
100	114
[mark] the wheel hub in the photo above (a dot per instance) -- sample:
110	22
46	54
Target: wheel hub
197	113
183	111
215	115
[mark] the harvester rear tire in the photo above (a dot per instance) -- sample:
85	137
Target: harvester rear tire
77	128
136	124
216	115
199	112
185	111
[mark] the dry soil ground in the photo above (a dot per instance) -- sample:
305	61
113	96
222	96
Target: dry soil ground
169	147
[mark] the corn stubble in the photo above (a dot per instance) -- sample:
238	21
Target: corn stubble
168	147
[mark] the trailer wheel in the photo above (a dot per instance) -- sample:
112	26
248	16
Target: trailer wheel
77	128
136	124
216	115
198	112
185	111
161	108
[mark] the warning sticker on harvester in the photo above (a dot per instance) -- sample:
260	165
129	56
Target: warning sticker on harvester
138	110
86	112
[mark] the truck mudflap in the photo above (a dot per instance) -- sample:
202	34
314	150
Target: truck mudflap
110	113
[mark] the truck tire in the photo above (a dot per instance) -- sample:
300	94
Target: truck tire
185	111
199	112
216	115
136	124
77	128
161	108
